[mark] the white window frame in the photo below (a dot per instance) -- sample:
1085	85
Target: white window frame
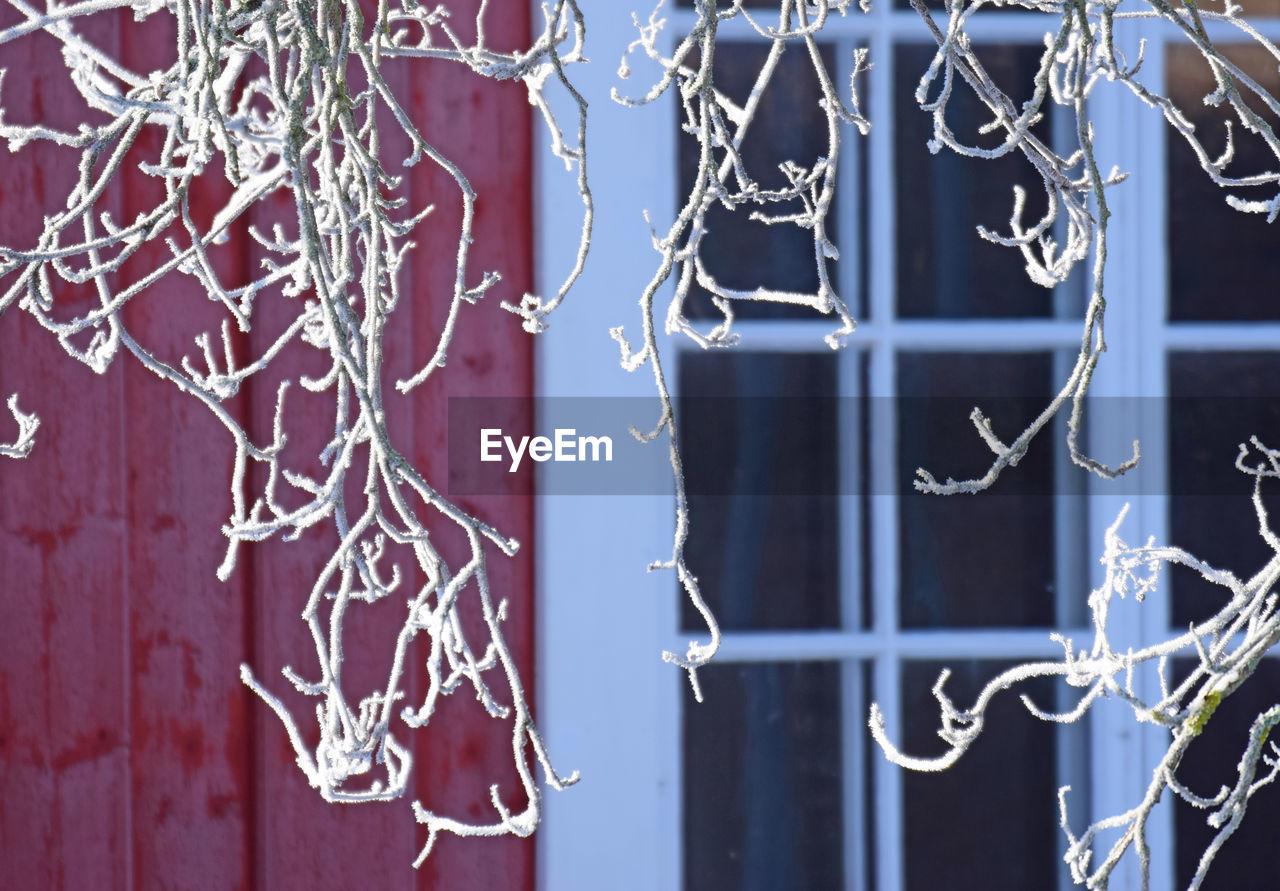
607	703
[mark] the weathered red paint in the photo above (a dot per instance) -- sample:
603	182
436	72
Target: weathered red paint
130	754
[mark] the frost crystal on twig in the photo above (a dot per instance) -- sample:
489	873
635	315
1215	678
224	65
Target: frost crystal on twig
27	426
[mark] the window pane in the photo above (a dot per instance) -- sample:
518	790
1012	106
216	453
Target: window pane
759	439
763	779
1219	401
991	820
944	268
1250	858
1220	260
788	126
985	561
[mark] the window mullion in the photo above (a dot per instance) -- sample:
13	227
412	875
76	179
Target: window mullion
1129	374
887	808
1148	247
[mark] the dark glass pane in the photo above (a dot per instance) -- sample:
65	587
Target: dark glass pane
1219	401
788	126
991	820
944	268
872	757
974	561
1222	262
759	438
1250	860
763	779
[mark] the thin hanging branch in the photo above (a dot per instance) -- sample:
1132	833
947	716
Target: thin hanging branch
720	126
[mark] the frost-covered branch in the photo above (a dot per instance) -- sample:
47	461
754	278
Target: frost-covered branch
1080	53
287	97
27	426
291	98
719	126
1227	648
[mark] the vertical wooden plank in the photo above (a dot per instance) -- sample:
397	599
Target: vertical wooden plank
304	841
188	709
63	733
484	126
120	706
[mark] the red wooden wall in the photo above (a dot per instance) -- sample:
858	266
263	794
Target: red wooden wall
130	754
